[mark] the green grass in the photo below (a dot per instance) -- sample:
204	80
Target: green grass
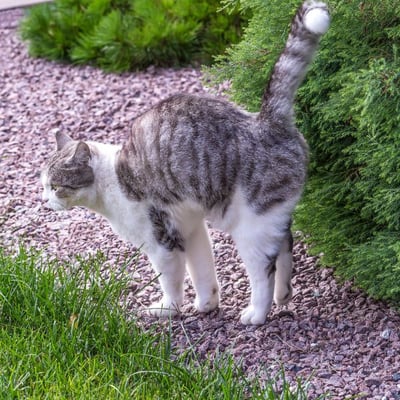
64	335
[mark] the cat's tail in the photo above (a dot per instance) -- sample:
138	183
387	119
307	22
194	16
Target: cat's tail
309	24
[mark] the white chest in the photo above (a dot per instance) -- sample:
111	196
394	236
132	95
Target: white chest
130	220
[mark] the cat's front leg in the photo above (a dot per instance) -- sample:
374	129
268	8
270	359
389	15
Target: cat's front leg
200	263
170	268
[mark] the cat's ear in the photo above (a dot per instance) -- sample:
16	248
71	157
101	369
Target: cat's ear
62	139
82	154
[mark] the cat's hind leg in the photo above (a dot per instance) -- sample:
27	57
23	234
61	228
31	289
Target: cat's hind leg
283	275
259	239
200	264
260	267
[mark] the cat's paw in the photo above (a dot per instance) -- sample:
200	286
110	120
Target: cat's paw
164	310
251	316
282	298
208	304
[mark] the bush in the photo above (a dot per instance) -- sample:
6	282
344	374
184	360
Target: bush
121	35
349	110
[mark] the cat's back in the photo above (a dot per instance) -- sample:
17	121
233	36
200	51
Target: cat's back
201	148
196	105
196	115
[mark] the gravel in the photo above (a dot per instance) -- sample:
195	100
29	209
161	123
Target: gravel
332	333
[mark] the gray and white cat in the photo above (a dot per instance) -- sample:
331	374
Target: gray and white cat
192	158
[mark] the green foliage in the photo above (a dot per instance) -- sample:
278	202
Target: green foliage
249	63
121	35
64	334
349	110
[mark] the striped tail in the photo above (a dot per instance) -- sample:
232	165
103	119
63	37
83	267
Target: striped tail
309	24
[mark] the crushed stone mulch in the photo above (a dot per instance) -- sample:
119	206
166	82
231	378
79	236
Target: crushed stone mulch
348	343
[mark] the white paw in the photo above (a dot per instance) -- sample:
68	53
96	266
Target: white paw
207	305
162	309
251	316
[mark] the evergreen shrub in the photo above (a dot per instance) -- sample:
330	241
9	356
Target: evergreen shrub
349	110
122	35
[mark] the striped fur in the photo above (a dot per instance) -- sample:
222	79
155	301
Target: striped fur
195	157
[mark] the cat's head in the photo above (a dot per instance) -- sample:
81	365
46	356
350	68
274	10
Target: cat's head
67	177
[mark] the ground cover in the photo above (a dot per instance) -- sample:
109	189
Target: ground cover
64	334
345	340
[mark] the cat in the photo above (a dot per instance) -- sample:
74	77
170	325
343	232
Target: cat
195	158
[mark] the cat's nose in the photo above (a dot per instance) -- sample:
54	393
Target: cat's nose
45	203
45	198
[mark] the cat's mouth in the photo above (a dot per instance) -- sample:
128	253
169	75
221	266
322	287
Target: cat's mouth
55	206
52	203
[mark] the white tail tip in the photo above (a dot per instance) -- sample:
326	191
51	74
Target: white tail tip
317	19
